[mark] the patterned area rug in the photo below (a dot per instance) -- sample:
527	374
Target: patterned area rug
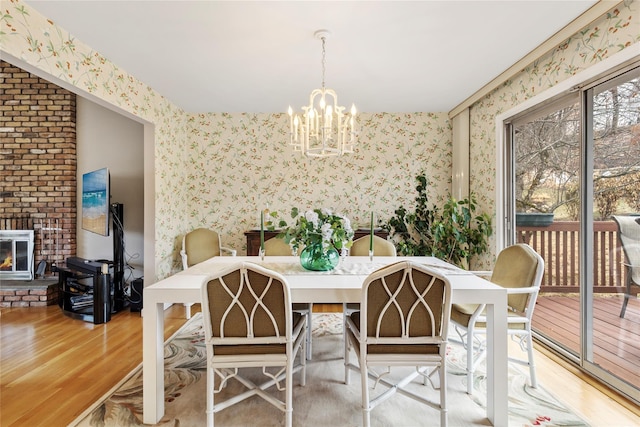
325	400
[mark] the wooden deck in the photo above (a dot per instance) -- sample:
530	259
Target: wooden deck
616	341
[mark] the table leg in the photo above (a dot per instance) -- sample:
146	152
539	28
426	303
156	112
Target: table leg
152	361
497	363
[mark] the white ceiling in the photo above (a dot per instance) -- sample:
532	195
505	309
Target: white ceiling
261	56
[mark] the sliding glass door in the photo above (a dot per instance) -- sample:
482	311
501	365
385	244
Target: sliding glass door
574	164
611	345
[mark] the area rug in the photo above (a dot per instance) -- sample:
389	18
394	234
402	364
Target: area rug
325	400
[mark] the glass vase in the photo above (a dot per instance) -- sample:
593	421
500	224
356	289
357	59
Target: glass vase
314	258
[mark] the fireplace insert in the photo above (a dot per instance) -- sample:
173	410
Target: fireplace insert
16	254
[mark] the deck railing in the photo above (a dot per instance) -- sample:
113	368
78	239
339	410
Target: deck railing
558	244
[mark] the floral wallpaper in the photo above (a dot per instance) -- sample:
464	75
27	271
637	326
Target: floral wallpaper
218	170
617	30
239	164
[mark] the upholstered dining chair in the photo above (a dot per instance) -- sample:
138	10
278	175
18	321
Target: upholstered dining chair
381	247
248	323
403	321
277	247
360	247
199	245
519	269
629	235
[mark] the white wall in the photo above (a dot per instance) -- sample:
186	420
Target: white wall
108	139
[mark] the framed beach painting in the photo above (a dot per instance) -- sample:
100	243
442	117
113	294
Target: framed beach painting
95	201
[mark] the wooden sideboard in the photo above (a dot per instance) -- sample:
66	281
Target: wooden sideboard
253	237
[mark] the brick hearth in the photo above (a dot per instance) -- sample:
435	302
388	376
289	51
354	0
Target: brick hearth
33	293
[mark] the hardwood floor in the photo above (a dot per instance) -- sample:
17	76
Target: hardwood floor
52	367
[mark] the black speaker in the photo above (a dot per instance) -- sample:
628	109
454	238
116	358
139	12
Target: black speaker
135	300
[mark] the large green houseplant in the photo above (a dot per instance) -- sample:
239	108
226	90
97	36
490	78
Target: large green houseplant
454	233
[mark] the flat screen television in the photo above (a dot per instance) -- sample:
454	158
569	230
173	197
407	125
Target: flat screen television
95	201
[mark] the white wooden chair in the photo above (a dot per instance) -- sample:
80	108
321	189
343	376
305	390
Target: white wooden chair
200	245
519	269
360	247
403	321
248	322
277	247
629	234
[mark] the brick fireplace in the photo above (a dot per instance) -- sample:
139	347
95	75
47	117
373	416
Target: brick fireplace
38	162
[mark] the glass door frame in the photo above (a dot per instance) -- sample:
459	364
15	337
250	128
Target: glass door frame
583	83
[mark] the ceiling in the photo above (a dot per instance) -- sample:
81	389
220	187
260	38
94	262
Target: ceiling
262	56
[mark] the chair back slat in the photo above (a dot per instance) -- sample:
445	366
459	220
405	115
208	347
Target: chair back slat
248	303
406	301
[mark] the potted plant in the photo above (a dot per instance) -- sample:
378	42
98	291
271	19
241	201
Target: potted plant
534	219
454	233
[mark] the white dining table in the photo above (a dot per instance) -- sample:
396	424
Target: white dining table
344	284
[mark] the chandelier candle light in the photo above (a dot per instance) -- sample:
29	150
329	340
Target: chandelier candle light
323	129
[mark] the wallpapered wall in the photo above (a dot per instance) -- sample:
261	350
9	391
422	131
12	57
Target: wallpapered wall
219	169
239	164
617	30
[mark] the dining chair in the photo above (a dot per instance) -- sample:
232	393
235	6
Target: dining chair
629	235
381	247
403	321
360	247
248	323
519	269
277	247
199	245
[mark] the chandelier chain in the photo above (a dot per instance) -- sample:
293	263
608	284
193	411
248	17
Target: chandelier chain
324	61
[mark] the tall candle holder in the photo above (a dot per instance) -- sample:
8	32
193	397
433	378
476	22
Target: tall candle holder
371	239
261	252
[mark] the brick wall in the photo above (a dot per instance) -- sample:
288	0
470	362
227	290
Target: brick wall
38	159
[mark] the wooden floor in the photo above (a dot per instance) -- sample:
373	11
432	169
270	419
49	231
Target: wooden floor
52	368
616	340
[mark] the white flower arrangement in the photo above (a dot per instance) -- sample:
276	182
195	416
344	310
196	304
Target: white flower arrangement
317	226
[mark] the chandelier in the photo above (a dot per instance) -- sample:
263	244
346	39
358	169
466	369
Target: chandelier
323	129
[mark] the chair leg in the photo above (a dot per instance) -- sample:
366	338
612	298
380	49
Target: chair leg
210	395
347	345
366	410
309	332
532	366
443	395
344	313
347	373
624	305
289	395
470	364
